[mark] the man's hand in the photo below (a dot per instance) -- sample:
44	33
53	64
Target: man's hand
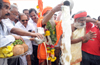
38	35
39	38
57	8
89	36
18	37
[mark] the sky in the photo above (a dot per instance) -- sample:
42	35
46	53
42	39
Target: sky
91	6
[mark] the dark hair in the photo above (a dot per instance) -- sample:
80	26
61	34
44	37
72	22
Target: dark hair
88	15
98	18
21	14
31	10
73	15
94	18
25	10
55	14
1	4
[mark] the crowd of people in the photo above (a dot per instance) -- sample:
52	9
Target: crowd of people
85	40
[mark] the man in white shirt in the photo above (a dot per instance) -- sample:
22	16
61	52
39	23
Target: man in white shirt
14	14
26	11
33	21
9	22
34	18
24	25
11	28
5	38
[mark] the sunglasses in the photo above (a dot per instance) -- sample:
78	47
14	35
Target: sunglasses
24	20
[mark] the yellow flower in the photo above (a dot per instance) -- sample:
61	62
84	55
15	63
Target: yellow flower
53	32
47	33
5	50
37	7
5	55
52	50
2	56
48	51
10	47
49	58
10	54
52	53
53	59
1	50
39	13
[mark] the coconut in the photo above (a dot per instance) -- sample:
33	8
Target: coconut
18	50
25	47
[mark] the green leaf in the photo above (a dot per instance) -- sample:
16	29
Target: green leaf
52	36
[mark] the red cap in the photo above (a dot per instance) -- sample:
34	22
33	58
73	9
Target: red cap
82	14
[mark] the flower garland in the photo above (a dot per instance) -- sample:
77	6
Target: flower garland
50	33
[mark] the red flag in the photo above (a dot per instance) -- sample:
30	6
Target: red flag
40	4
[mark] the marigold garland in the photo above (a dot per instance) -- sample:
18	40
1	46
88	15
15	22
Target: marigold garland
50	48
50	53
52	32
47	33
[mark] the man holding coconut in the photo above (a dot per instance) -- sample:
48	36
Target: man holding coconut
5	39
5	6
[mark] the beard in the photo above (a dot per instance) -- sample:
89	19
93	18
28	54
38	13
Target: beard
79	25
52	22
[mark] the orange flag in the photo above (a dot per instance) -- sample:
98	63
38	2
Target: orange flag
40	4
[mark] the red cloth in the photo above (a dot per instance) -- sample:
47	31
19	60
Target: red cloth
83	14
92	47
46	9
7	1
